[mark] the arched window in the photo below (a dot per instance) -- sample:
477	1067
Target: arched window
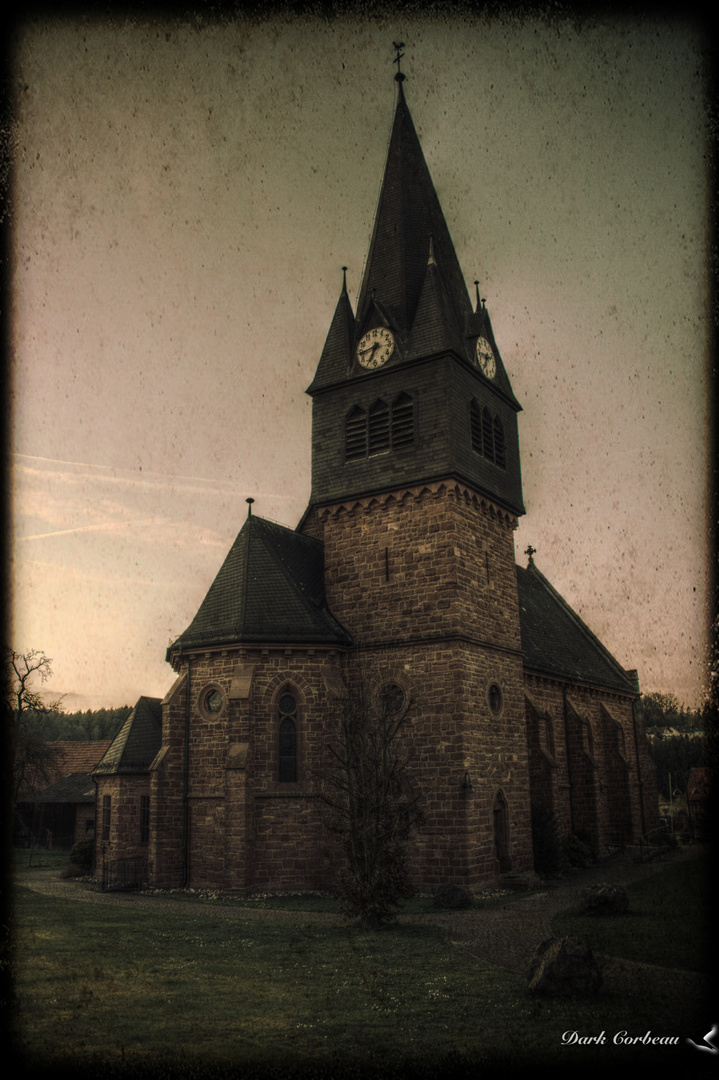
287	738
356	434
378	428
402	421
500	813
392	699
499	458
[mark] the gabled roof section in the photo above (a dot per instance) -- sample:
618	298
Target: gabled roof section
80	757
270	588
337	353
75	788
407	216
557	642
138	740
435	327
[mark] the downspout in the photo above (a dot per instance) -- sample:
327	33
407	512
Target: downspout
185	802
640	782
569	763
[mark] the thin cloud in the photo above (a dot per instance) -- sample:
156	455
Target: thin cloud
106	526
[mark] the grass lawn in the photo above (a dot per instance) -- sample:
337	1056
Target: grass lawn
663	924
200	994
40	858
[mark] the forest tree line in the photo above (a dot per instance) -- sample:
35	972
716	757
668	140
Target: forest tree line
88	726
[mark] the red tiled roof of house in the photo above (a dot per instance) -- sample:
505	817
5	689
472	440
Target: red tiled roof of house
80	757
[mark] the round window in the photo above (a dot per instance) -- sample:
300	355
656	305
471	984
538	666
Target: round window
495	699
287	704
213	701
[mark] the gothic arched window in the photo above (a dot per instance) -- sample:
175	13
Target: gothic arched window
287	738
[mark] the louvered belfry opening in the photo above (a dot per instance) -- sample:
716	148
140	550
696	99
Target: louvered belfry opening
402	422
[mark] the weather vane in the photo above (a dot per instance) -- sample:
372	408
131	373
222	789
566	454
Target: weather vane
398	45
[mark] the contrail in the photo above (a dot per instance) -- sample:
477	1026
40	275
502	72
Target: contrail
108	525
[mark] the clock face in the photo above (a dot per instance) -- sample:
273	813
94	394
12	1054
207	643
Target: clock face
375	348
485	358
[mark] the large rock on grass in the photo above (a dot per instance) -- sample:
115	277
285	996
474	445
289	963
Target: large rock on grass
564	967
452	897
603	899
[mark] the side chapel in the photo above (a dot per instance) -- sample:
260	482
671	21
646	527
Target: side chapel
403	565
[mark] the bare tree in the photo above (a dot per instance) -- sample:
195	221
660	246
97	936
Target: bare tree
35	759
369	802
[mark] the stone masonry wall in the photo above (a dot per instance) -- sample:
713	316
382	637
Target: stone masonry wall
124	841
601	781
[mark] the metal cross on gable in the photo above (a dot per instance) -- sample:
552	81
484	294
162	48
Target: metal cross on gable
530	551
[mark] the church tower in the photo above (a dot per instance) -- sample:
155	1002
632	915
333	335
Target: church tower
416	490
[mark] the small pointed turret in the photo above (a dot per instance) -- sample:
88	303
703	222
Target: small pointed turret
336	355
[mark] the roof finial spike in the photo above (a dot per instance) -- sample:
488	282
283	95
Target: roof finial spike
531	552
249	507
476	285
398	46
344	279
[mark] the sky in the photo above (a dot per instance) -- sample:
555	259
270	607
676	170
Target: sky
185	194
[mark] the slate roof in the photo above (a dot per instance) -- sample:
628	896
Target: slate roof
557	642
270	588
134	747
407	215
76	788
337	352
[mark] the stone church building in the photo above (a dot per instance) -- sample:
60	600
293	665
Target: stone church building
402	570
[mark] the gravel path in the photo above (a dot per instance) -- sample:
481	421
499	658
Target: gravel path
505	934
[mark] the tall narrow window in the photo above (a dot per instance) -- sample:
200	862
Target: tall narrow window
106	808
499	458
487	435
356	434
402	421
144	818
287	771
378	427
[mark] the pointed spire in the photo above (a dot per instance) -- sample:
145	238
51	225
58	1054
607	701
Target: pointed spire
407	214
